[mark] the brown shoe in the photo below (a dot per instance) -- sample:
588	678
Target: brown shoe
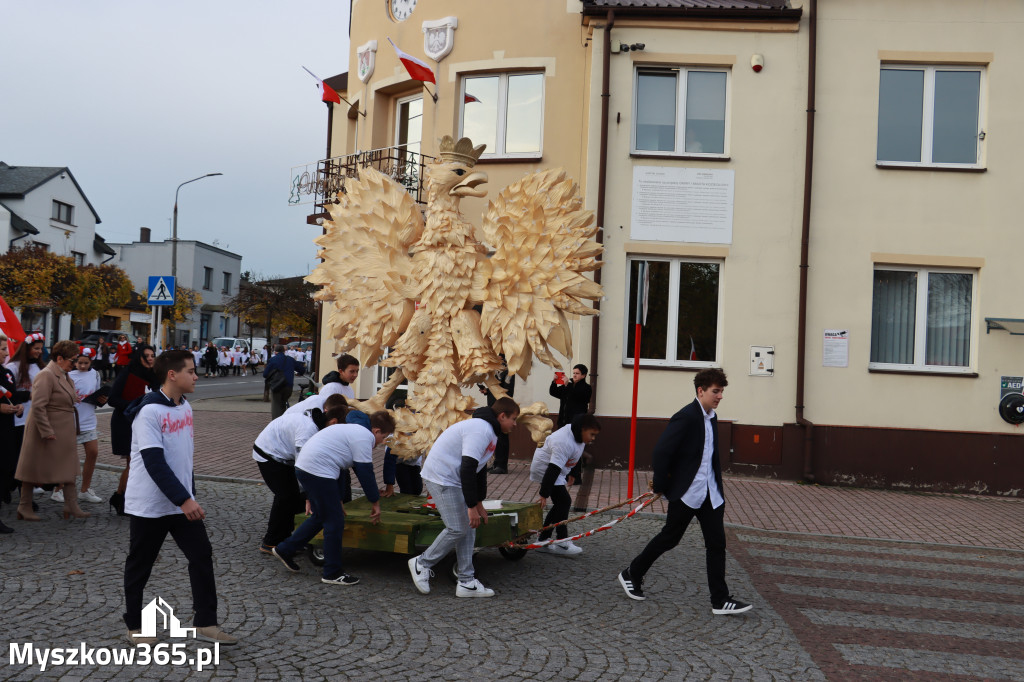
134	640
213	633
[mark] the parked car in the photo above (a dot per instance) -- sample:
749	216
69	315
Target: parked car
91	338
230	342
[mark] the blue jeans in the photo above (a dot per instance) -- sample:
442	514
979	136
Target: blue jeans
324	496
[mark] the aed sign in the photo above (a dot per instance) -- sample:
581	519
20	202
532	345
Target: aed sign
1009	385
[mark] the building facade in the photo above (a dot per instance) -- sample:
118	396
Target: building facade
821	192
212	272
45	206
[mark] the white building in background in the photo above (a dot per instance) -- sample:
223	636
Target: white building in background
211	271
44	205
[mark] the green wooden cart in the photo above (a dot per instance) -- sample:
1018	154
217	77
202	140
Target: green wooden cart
407	527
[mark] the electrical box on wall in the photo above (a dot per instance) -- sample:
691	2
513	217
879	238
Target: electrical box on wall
762	361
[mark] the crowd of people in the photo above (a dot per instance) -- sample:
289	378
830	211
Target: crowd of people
305	456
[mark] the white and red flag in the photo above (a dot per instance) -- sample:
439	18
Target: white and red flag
693	350
327	93
10	326
418	70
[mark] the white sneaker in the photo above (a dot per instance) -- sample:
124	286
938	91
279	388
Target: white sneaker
473	589
89	496
571	549
420	576
57	496
37	491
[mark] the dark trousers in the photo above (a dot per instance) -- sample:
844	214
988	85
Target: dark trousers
501	449
279	401
560	501
288	500
712	525
328	516
407	476
146	539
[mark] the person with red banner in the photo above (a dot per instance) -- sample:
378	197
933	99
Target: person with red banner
10	406
10	327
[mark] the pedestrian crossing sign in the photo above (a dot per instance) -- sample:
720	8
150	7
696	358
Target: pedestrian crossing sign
161	290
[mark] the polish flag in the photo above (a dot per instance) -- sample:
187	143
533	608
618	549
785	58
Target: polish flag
10	326
327	93
418	70
470	98
693	350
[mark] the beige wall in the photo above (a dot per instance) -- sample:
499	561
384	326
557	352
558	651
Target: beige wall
759	269
945	218
495	36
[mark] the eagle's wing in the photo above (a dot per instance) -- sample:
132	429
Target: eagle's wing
366	265
535	282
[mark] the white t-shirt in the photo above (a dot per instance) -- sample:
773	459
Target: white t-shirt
168	428
334	448
560	449
470	438
198	355
86	383
33	370
304	406
284	437
339	388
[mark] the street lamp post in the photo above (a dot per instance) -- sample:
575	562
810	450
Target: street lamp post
174	229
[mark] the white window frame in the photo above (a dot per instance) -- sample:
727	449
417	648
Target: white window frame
499	136
921	322
629	326
398	123
681	83
928	114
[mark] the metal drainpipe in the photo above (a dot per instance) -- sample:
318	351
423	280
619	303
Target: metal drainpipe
805	234
602	172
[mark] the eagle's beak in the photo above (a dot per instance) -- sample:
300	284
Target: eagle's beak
468	187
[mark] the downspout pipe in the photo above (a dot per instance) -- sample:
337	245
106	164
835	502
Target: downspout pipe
805	234
602	177
11	245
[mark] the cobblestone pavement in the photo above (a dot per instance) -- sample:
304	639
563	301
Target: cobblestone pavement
552	619
936	593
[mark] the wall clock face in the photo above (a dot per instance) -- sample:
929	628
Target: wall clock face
399	10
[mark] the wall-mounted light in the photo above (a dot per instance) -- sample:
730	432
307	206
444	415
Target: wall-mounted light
757	63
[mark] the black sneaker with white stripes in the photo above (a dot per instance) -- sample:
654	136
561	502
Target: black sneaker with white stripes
730	607
633	588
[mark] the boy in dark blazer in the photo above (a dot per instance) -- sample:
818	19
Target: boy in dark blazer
688	472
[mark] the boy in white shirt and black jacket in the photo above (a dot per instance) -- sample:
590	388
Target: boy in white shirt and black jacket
160	498
455	472
551	467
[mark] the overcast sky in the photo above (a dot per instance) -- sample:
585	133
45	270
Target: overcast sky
138	96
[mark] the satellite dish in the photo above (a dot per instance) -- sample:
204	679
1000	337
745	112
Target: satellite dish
1011	408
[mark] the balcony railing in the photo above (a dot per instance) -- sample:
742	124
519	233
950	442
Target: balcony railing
319	183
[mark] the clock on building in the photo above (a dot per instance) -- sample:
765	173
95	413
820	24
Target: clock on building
399	10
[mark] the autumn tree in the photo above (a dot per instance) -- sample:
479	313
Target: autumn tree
185	301
281	305
32	276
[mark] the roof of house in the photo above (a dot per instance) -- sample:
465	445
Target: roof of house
19	223
100	245
774	9
17	181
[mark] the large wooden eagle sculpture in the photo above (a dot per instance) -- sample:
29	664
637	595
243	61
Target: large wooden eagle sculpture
442	304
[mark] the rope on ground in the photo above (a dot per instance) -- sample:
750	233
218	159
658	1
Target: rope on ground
519	544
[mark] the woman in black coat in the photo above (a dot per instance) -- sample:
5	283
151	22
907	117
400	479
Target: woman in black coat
10	405
131	383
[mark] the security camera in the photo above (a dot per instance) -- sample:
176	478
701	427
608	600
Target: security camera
637	47
623	47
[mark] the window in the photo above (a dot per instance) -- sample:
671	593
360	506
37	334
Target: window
62	212
682	313
79	258
505	112
921	319
227	283
207	278
929	115
40	245
204	326
681	111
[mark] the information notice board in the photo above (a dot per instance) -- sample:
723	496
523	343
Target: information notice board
682	204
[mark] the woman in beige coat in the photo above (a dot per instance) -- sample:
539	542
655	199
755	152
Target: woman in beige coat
49	453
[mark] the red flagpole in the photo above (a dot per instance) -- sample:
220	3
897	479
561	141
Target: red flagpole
632	419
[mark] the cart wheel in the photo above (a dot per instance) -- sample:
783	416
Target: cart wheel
316	555
512	553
